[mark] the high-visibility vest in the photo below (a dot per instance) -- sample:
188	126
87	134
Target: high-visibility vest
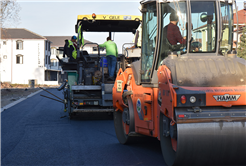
111	48
81	38
74	53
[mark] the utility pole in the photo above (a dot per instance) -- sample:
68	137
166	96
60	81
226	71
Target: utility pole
1	22
1	19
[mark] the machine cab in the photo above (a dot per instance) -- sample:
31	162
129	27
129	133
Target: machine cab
181	29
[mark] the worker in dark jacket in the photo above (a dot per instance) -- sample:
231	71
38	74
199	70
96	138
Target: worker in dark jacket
173	34
70	48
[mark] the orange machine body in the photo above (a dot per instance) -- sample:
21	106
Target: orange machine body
149	102
144	102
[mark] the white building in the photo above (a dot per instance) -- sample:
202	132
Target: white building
53	70
24	56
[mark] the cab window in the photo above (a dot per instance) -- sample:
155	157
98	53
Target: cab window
227	27
148	40
203	17
173	29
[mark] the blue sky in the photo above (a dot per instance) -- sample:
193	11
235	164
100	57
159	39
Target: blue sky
58	17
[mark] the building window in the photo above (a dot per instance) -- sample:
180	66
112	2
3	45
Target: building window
94	48
53	51
53	62
19	45
4	43
19	59
48	60
48	46
60	52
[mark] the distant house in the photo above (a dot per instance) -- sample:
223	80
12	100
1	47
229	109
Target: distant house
54	70
24	56
241	24
241	17
224	45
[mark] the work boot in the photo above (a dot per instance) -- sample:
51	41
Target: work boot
111	79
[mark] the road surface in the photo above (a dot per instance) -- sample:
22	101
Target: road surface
33	133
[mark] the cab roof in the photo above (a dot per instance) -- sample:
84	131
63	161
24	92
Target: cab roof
109	23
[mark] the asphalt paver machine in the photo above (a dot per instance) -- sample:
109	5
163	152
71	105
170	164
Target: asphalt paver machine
86	88
191	95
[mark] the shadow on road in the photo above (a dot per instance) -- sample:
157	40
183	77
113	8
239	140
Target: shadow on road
92	116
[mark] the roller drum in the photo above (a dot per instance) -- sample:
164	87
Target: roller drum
213	143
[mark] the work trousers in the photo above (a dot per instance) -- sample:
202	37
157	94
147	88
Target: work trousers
111	59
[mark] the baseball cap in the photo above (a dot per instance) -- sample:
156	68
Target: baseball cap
174	17
74	37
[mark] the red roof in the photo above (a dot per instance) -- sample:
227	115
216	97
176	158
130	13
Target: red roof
241	17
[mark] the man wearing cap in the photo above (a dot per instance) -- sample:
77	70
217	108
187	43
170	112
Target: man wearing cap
111	55
74	40
173	34
70	48
171	37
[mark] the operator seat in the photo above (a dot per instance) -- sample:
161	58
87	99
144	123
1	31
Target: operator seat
84	56
167	46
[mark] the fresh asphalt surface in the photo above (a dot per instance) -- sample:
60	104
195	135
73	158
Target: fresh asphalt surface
33	133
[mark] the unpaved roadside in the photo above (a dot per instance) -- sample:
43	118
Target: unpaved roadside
10	95
13	92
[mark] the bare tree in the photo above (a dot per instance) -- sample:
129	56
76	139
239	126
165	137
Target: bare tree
242	44
9	14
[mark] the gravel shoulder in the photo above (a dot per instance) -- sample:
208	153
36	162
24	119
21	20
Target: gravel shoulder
13	92
10	95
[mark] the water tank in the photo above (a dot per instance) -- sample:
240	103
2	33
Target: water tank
105	62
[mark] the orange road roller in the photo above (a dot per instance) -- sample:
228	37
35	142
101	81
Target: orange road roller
188	89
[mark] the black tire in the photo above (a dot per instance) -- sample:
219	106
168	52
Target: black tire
123	61
166	145
72	115
125	97
118	125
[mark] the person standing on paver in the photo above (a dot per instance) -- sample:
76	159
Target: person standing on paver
111	55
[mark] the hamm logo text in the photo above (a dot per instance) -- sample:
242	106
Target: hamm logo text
226	97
